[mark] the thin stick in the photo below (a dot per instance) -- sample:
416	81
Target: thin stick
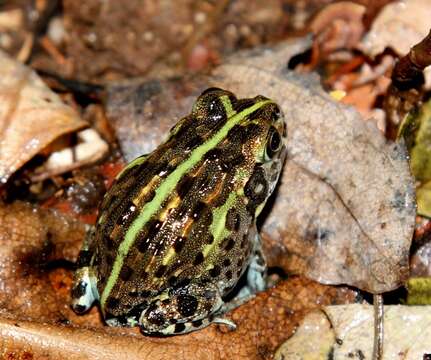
378	327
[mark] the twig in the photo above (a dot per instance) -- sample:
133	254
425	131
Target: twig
378	327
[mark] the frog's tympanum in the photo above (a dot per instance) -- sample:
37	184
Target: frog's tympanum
178	227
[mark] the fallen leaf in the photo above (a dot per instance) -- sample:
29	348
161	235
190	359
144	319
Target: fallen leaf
31	116
338	26
407	333
344	212
34	245
262	325
304	344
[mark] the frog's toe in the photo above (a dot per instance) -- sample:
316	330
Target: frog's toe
224	321
83	294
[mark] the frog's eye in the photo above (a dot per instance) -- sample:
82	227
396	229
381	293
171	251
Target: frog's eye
273	143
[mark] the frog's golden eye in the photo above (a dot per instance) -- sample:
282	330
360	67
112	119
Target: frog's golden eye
273	143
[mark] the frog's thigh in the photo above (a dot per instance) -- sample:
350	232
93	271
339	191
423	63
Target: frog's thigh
84	290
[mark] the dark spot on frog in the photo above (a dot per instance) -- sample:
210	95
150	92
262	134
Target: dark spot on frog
231	160
226	263
181	283
84	258
197	323
79	290
160	271
243	104
150	196
166	301
109	242
155	317
112	303
172	280
184	186
215	271
213	154
256	189
193	142
244	241
187	305
237	134
127	214
383	225
179	243
125	273
227	244
142	294
228	274
179	328
209	239
233	220
198	210
198	259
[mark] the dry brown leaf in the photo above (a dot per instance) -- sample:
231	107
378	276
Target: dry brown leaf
31	116
263	324
345	208
407	333
31	241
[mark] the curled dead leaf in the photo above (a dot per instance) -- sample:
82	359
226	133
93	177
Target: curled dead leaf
31	116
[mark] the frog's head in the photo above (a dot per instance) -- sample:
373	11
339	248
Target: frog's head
246	137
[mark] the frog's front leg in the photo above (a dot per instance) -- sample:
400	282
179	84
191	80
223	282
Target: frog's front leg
185	309
256	276
84	290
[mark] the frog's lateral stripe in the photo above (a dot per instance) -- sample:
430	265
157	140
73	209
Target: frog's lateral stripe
168	185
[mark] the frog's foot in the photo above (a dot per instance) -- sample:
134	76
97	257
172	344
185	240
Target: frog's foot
84	290
182	310
224	321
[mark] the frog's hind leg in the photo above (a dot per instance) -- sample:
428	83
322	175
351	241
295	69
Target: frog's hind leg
84	290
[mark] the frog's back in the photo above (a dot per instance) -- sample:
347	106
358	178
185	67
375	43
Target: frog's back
170	214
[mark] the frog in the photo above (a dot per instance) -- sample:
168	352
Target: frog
177	230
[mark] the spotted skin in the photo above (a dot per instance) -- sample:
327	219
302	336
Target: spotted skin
177	229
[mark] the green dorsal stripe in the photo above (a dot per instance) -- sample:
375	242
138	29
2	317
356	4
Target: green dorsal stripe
165	188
